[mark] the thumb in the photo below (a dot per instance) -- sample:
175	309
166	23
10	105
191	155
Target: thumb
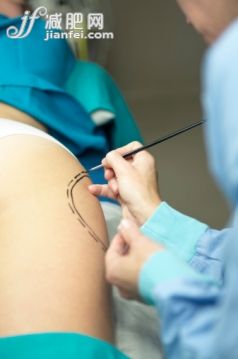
129	231
117	246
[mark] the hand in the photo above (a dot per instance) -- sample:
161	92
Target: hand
132	182
125	257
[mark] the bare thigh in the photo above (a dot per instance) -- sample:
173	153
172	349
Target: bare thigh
52	243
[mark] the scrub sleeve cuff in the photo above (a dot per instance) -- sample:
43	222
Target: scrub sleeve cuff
176	231
161	268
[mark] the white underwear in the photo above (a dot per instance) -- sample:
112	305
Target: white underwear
12	128
111	211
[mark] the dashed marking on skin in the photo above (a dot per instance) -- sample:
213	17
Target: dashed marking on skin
70	182
71	208
70	196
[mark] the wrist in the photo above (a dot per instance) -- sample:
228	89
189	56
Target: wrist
147	210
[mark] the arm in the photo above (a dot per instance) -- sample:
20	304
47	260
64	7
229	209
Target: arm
134	183
199	316
190	305
193	241
187	305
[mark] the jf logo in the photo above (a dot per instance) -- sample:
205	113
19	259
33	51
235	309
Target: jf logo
28	22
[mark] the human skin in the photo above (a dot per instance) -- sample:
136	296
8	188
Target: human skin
127	179
133	183
52	272
128	252
12	8
209	17
12	113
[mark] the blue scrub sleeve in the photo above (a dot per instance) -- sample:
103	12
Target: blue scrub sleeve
184	300
192	241
174	229
162	267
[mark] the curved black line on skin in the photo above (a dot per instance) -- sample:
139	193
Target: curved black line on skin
70	182
73	207
81	173
71	186
72	198
90	229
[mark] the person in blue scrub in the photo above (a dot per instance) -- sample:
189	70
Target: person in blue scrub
187	270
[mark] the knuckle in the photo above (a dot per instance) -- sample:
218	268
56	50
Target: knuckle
110	277
110	155
136	144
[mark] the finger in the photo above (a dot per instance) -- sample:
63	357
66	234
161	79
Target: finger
129	148
114	255
119	165
109	174
113	185
140	156
117	246
123	150
142	159
101	190
129	231
145	160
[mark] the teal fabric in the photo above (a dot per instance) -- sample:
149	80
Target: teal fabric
92	86
57	346
177	231
33	73
33	76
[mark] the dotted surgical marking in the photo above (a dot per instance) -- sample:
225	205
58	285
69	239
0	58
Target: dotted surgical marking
70	196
